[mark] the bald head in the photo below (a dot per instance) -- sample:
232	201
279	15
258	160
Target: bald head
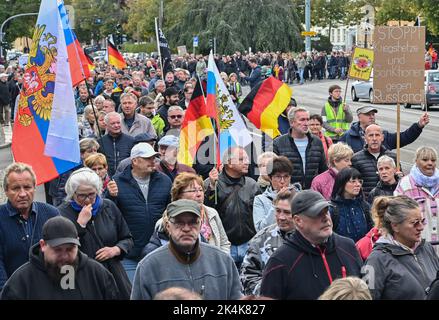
374	138
373	127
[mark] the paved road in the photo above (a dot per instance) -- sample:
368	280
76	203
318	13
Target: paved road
313	95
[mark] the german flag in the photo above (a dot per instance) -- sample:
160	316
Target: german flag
196	127
90	63
265	103
114	57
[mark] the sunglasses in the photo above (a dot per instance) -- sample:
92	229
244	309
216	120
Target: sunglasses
176	117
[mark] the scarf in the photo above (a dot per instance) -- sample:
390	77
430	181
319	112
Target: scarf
95	207
431	183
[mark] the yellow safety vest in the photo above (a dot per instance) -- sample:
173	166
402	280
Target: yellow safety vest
335	121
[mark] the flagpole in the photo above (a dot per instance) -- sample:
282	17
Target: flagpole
158	46
215	151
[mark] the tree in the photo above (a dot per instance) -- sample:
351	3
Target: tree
141	13
261	25
96	19
328	13
22	26
429	10
399	10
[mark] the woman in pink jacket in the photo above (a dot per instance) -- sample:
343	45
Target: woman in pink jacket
422	185
339	157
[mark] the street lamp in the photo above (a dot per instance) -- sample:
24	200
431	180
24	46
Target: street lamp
308	25
2	34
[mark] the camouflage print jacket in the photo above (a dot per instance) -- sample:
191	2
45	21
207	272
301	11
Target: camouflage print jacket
260	249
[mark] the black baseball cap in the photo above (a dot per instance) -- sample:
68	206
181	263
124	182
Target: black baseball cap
59	230
309	203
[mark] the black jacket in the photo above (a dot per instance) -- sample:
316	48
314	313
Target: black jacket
107	229
366	163
31	282
381	189
5	96
297	270
235	206
115	149
315	158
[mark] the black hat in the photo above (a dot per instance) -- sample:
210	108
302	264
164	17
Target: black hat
59	230
309	203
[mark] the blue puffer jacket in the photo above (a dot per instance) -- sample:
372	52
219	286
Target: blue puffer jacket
140	215
115	149
353	139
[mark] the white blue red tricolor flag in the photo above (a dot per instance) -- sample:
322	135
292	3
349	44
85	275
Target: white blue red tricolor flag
45	133
233	132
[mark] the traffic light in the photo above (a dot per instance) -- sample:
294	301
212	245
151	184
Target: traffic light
211	43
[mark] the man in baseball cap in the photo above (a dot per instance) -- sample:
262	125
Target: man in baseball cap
354	137
312	257
57	270
168	149
58	231
215	271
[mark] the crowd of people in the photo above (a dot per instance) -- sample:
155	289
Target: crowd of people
325	207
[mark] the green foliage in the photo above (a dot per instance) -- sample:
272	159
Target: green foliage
429	10
324	44
262	25
22	26
139	47
96	19
141	13
398	10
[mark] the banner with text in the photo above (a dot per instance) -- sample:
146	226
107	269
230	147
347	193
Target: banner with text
361	65
399	65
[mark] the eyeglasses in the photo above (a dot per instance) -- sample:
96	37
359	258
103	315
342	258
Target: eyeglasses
279	211
82	197
360	181
279	178
182	224
418	222
176	116
193	190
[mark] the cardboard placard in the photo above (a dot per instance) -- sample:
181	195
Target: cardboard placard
399	65
181	50
361	64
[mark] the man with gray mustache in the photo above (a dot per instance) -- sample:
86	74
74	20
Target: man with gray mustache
312	257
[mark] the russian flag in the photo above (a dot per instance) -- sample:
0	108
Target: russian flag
45	133
78	61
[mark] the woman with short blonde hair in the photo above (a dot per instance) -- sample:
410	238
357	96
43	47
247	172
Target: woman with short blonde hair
190	186
339	157
349	288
